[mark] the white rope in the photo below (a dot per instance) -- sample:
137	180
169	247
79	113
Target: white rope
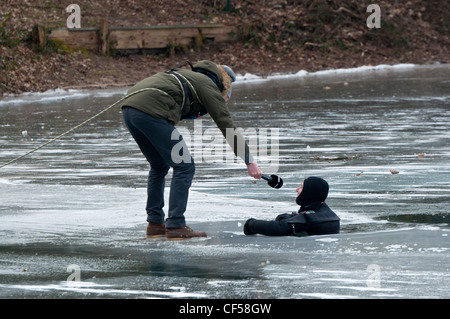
74	128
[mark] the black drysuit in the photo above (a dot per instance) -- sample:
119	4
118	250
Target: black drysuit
317	219
313	218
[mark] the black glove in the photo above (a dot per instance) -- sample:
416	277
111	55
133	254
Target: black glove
248	227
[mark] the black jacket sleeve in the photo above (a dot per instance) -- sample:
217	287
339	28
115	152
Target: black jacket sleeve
268	228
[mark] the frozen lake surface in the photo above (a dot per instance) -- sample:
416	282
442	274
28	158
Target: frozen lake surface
379	135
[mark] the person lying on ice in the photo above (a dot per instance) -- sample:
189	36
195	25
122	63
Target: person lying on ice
313	218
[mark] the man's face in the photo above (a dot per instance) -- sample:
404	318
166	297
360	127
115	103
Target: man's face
299	189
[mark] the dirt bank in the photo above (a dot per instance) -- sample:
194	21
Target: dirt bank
275	36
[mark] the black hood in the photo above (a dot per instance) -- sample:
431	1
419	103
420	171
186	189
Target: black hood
315	190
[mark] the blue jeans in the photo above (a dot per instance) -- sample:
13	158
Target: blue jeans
154	138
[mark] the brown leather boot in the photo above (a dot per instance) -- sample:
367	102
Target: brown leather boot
182	233
156	230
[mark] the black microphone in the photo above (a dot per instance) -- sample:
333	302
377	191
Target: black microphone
273	180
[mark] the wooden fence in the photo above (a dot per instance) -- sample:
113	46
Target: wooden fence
104	38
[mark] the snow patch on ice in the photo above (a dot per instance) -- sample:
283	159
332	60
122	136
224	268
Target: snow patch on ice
90	287
57	95
253	78
327	239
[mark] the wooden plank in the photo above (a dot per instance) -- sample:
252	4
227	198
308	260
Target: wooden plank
224	34
148	37
103	37
41	36
151	38
86	38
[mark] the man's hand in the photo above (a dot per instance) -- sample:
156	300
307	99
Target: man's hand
254	171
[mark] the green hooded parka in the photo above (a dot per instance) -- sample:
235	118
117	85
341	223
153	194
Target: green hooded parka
165	97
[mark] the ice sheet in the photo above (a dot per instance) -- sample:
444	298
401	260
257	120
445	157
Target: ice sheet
81	200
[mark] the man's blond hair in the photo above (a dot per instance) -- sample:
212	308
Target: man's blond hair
226	80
